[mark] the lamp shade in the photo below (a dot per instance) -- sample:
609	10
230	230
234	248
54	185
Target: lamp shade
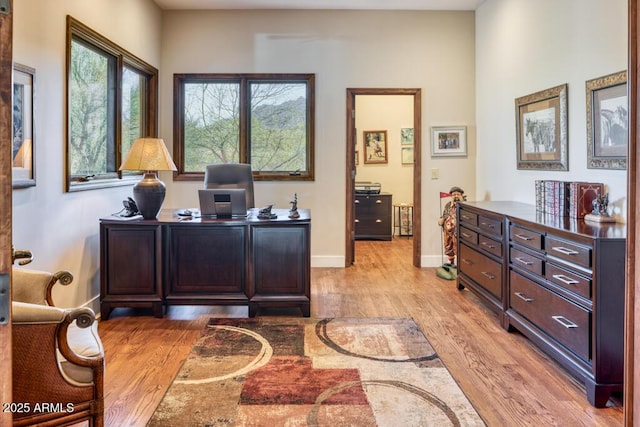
148	154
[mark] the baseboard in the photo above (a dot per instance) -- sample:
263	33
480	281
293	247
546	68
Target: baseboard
327	261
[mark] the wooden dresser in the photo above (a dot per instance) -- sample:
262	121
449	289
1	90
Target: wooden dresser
557	280
373	216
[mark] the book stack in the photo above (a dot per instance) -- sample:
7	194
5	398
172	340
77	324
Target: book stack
566	198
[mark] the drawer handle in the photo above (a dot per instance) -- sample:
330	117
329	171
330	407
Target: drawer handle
524	237
357	201
488	275
565	279
490	246
488	225
467	235
564	322
466	217
565	251
524	261
523	297
357	220
466	261
378	220
378	201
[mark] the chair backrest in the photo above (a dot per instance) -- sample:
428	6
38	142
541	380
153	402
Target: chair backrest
231	175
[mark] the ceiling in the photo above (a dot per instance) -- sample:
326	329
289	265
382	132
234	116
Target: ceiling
321	4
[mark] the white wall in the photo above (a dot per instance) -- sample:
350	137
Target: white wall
390	113
61	229
433	51
525	46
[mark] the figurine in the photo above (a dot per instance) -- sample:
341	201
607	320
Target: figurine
265	213
600	205
293	212
448	223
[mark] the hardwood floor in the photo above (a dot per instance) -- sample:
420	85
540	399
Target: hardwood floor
507	379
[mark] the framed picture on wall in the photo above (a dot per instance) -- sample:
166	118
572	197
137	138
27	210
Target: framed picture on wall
375	146
23	127
406	136
607	122
541	130
407	155
448	141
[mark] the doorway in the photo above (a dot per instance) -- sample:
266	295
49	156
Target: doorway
351	167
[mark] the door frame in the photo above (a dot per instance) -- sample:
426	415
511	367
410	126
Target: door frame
351	167
6	204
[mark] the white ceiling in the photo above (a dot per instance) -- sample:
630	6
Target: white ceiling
322	4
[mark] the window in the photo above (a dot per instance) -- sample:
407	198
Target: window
111	101
264	120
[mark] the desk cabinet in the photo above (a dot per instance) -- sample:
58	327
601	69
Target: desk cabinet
172	260
373	217
563	287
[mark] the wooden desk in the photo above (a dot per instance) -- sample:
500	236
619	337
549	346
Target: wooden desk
178	260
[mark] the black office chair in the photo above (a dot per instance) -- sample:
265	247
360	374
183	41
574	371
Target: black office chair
231	175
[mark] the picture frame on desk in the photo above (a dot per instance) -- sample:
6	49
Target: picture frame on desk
607	122
541	130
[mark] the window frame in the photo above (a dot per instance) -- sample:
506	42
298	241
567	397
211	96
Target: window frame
77	31
244	80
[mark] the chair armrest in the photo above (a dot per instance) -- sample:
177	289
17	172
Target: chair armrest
36	286
27	313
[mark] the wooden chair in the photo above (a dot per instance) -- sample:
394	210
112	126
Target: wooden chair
58	358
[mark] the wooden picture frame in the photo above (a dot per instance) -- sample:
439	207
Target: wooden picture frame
23	129
448	141
607	122
541	130
375	146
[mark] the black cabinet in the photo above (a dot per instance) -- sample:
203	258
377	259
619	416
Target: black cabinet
373	217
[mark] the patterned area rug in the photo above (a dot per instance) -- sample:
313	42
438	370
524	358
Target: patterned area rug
270	371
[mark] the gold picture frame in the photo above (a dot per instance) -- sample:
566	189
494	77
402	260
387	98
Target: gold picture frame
607	122
375	146
541	130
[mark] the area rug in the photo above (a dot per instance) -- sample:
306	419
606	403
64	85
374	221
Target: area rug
269	371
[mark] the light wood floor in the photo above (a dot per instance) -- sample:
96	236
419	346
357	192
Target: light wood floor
508	380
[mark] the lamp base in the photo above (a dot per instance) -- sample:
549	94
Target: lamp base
149	194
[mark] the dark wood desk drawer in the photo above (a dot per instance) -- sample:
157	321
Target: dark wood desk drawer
526	261
490	225
468	236
525	237
562	320
568	280
481	269
490	245
468	217
568	251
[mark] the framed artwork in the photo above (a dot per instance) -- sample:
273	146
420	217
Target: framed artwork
407	155
541	130
607	122
448	141
375	146
357	158
406	136
23	127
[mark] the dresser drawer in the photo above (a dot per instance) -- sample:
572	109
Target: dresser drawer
562	320
568	280
525	237
490	245
524	260
468	217
490	225
481	269
568	251
468	236
373	226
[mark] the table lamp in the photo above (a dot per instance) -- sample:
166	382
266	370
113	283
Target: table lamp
149	155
